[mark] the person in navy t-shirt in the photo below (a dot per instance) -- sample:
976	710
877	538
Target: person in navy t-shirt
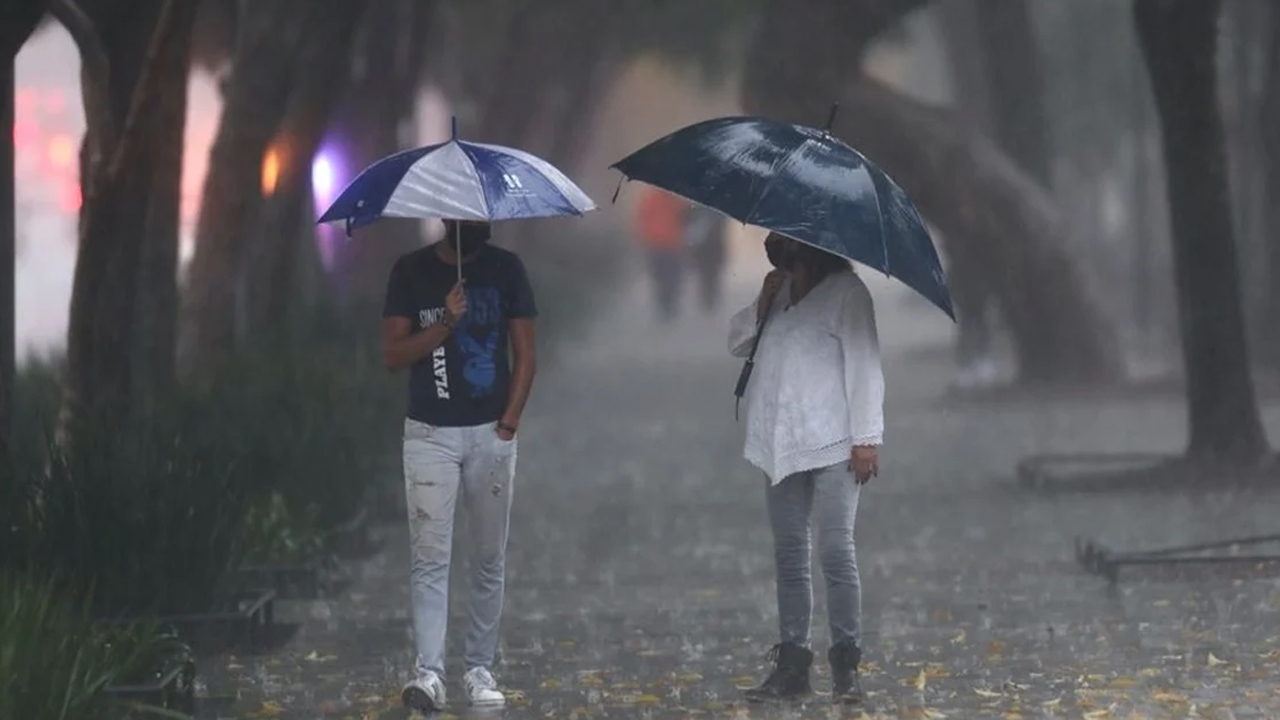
469	349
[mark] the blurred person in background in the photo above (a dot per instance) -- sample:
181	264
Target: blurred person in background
705	236
465	400
660	222
974	301
815	421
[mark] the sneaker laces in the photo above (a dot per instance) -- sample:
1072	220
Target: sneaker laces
771	657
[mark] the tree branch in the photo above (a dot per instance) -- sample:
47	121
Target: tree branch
95	69
143	90
994	212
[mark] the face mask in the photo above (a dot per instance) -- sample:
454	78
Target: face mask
472	238
780	256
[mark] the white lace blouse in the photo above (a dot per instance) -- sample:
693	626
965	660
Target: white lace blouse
817	388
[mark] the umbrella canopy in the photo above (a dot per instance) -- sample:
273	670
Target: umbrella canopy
458	180
800	182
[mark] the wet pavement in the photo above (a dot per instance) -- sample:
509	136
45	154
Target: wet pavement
640	580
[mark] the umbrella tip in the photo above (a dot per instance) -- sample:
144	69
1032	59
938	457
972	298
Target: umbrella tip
831	117
453	127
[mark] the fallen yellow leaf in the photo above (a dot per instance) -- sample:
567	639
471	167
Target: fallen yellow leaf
648	699
551	684
920	681
1098	714
270	708
959	638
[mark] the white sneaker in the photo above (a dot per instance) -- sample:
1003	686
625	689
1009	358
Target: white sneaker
425	694
481	688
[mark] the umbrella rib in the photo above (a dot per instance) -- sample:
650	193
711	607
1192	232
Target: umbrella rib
773	177
884	239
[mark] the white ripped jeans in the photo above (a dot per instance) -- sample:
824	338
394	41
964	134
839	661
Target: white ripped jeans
438	463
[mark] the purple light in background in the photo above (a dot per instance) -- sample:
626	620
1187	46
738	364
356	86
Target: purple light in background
325	185
323	178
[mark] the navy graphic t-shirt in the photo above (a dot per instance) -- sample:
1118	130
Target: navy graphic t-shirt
465	381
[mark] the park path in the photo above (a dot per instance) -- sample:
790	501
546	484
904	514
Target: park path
640	577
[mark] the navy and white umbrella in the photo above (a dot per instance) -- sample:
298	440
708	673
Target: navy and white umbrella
458	180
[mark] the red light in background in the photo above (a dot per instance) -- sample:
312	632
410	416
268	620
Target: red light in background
24	133
69	199
24	100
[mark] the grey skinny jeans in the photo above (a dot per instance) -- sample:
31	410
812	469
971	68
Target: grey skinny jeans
791	514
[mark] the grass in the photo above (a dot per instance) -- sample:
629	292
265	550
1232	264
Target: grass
56	662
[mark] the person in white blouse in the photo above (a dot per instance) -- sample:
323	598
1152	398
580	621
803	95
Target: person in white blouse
814	424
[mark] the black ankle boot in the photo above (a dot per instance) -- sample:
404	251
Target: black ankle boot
845	658
790	675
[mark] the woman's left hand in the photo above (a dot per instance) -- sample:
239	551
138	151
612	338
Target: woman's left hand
864	463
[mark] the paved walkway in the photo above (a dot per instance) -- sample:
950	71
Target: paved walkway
641	578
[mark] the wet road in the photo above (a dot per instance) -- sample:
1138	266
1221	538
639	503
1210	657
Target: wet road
640	575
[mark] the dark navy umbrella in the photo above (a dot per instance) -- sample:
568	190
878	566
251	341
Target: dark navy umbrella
800	182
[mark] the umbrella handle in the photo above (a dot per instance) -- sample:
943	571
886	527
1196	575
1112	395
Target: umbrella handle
457	247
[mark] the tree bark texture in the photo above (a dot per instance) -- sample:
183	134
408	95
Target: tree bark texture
1270	126
285	236
369	119
800	63
264	69
156	315
1179	42
114	212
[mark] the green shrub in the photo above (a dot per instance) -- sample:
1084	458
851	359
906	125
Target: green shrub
155	513
145	514
315	417
277	535
55	662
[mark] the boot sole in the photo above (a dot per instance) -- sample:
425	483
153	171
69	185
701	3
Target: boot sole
757	699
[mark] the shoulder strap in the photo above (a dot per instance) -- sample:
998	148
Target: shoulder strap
750	363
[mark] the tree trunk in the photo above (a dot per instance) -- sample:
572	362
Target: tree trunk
379	101
972	92
1012	64
1270	125
22	22
800	63
156	320
114	213
285	233
254	102
1179	42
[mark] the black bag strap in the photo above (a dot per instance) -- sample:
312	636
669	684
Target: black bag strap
745	376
